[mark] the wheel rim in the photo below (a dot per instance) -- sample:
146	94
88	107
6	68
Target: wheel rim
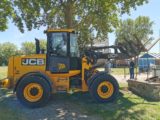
33	92
105	89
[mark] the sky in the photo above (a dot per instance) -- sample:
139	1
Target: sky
152	9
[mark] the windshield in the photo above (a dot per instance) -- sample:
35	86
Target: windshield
74	50
58	43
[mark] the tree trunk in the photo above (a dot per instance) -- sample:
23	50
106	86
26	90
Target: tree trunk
68	11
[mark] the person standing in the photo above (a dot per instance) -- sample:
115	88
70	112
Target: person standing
131	69
108	66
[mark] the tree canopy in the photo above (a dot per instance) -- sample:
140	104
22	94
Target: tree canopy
134	35
5	13
6	51
85	16
28	48
101	15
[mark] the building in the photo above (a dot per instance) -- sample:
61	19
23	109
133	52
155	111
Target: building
147	60
121	63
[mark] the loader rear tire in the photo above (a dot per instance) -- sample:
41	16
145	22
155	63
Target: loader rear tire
104	88
33	91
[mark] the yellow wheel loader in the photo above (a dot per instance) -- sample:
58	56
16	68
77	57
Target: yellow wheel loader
61	69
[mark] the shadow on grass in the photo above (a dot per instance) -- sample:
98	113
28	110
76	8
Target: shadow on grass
6	111
75	106
4	93
119	109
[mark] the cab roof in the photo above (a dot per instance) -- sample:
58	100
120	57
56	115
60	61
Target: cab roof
58	30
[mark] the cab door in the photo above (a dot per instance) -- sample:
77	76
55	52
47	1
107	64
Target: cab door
58	52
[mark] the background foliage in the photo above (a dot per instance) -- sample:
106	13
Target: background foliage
84	16
9	49
132	34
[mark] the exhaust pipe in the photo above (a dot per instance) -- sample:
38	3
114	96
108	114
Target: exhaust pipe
37	46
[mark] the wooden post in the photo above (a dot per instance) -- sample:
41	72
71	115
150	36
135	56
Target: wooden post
124	72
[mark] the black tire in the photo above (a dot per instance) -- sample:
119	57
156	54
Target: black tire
94	86
33	79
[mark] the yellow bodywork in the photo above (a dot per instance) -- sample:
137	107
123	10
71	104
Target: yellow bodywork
60	30
35	77
18	67
60	81
5	83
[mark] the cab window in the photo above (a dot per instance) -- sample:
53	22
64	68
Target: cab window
58	43
74	50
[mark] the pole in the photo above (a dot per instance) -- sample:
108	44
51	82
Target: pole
136	67
147	66
159	41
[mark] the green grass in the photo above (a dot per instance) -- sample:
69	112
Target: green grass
6	111
121	71
116	71
3	72
127	107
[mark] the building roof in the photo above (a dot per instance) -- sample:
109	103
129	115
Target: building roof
151	55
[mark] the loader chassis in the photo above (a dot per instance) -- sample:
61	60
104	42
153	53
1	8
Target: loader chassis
61	69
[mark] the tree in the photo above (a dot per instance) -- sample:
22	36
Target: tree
5	13
28	48
43	44
82	15
133	34
6	51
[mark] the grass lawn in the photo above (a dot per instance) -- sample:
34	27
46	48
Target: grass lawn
119	71
127	107
3	72
6	111
116	71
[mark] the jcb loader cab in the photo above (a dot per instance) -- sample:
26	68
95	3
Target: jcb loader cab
35	77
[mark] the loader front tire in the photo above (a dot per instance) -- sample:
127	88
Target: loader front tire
104	88
33	91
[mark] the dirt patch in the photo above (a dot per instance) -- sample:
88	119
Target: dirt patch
124	78
60	107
